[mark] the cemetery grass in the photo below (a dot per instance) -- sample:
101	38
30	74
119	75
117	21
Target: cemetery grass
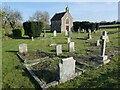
14	74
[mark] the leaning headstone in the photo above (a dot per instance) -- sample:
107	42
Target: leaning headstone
66	69
66	33
23	48
54	33
68	40
104	58
98	43
71	47
58	49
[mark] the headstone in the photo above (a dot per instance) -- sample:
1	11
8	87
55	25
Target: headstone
98	43
94	31
78	30
66	69
71	47
103	38
54	33
23	48
32	38
44	35
83	30
70	34
104	58
58	49
68	40
66	33
89	34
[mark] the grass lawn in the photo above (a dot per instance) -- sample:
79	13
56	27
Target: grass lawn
14	74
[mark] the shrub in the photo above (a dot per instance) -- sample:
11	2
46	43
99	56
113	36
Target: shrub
18	32
32	28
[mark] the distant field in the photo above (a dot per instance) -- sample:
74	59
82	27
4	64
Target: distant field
109	26
14	74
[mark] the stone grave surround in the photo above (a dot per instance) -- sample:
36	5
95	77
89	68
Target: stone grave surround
58	49
23	48
66	69
71	46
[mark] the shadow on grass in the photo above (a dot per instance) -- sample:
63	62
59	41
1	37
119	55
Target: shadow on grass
82	38
20	38
36	85
105	80
12	51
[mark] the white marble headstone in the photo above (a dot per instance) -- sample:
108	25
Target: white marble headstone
23	48
71	46
66	69
58	49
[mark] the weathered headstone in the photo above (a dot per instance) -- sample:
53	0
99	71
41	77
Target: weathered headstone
23	48
83	30
58	49
54	33
66	33
70	34
68	40
104	58
78	30
71	47
44	35
98	43
66	69
89	34
32	38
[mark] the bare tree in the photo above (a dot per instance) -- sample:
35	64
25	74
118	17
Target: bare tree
11	17
41	16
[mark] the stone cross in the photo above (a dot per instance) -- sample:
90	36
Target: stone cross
68	40
54	33
104	58
71	47
23	48
66	33
58	49
66	69
103	38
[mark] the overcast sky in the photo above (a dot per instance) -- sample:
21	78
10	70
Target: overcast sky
80	11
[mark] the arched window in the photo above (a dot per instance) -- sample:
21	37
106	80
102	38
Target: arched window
67	21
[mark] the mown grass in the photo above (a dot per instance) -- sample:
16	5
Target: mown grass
14	74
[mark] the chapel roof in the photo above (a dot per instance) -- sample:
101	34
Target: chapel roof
58	16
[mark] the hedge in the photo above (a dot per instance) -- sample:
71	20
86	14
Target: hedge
18	32
32	28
